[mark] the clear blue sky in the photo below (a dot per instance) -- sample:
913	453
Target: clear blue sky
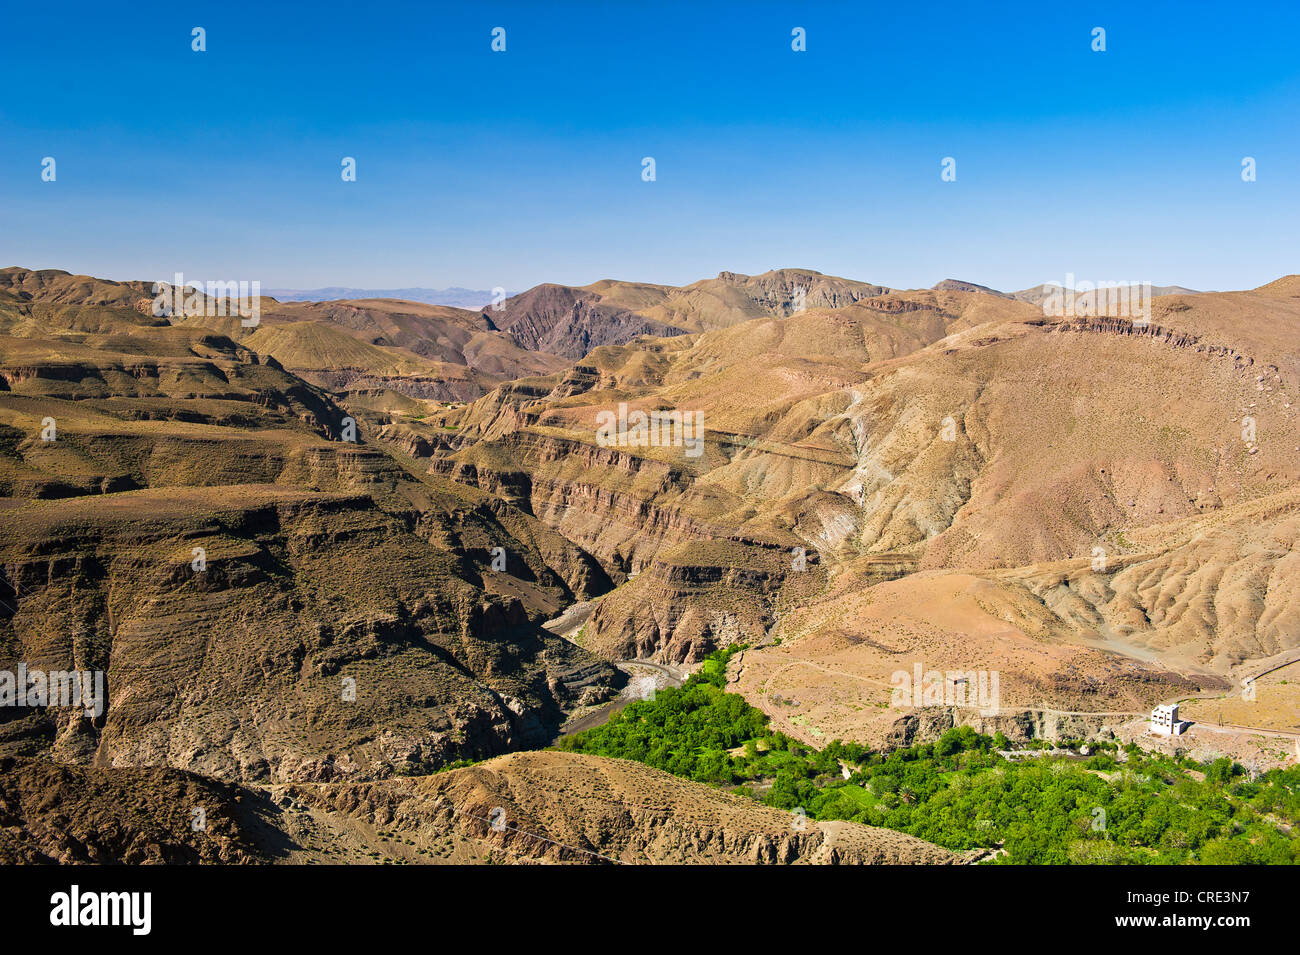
483	169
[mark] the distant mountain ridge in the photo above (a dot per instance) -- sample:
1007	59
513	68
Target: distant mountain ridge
571	320
456	297
1040	293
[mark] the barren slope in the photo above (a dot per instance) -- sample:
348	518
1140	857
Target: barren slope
568	807
547	808
187	517
1118	498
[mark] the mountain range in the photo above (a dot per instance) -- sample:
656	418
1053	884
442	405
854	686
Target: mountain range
455	296
234	522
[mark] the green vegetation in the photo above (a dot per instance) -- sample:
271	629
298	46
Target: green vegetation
1112	806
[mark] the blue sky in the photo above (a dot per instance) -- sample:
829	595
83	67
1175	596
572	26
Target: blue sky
488	169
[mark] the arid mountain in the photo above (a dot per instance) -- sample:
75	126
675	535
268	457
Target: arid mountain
566	807
574	321
1111	488
957	285
60	813
268	598
455	296
732	298
1041	293
1104	513
421	351
370	347
773	394
19	286
570	321
529	808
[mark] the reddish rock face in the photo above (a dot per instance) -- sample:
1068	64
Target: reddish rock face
571	322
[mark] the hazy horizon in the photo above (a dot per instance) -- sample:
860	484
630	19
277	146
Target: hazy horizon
271	290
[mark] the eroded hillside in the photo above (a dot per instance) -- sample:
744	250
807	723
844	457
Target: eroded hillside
527	808
270	594
1118	494
320	569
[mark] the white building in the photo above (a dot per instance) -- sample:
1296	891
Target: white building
1164	720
